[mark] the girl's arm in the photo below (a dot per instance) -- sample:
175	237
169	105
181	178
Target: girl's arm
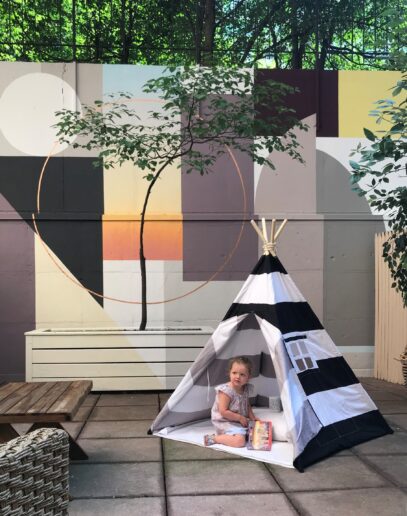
252	417
224	402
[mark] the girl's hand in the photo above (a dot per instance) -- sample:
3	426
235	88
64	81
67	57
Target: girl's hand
243	421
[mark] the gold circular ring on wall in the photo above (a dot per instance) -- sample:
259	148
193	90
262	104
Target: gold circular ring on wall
110	298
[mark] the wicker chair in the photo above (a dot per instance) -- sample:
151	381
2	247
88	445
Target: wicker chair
34	474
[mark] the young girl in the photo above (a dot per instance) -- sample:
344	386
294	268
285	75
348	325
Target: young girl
231	411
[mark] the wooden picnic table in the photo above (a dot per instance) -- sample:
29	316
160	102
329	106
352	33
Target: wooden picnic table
44	404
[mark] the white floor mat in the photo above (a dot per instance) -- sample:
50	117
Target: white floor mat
281	453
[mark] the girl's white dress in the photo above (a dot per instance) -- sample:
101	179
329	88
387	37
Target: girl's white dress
239	403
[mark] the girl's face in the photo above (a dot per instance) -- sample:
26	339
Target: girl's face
239	376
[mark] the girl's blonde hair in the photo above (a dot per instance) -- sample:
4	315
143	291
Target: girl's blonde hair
243	361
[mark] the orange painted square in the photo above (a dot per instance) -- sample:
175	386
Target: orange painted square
162	239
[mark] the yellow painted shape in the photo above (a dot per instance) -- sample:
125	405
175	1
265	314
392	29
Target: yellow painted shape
125	190
357	93
59	302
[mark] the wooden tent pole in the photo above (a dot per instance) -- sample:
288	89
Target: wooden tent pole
258	231
280	229
269	245
273	230
263	224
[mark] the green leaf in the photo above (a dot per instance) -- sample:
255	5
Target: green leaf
387	168
369	135
398	128
354	165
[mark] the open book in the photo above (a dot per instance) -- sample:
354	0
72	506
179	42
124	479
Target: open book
259	435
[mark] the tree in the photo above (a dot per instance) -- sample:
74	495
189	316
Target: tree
383	168
318	34
205	111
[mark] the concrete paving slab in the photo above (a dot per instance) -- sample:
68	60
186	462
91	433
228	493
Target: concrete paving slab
369	380
393	388
354	502
125	413
230	505
381	384
91	400
114	429
112	480
369	387
73	428
386	396
331	473
21	428
392	407
175	450
344	453
121	450
397	421
395	466
377	386
394	443
116	400
83	413
118	507
218	476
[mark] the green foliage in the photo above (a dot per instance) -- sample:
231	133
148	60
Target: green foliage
204	112
382	165
323	34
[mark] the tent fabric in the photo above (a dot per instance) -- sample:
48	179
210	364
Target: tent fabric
270	322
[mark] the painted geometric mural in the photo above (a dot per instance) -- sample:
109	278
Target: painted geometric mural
82	268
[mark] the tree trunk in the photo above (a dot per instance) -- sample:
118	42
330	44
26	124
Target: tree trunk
296	58
208	32
123	38
143	271
200	13
323	54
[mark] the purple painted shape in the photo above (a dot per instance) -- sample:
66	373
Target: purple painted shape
213	211
208	244
318	94
17	291
219	191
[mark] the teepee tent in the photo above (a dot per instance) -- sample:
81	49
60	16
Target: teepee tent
325	408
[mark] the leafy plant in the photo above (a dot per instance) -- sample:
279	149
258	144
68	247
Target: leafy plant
381	176
323	34
204	112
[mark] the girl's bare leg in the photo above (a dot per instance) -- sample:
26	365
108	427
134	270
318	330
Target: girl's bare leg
236	441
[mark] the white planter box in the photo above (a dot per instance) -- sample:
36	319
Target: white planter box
114	359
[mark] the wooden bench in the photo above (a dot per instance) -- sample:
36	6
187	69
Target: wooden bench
44	404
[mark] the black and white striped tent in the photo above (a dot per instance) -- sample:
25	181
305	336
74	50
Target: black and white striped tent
325	407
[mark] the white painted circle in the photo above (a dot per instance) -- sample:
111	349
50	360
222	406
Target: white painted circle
27	112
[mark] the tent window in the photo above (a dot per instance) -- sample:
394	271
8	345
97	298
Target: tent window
309	363
300	364
300	356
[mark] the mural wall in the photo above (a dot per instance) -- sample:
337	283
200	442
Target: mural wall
76	264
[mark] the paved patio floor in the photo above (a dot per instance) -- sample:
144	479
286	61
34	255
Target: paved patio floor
130	473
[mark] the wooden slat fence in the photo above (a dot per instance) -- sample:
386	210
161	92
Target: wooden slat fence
390	320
